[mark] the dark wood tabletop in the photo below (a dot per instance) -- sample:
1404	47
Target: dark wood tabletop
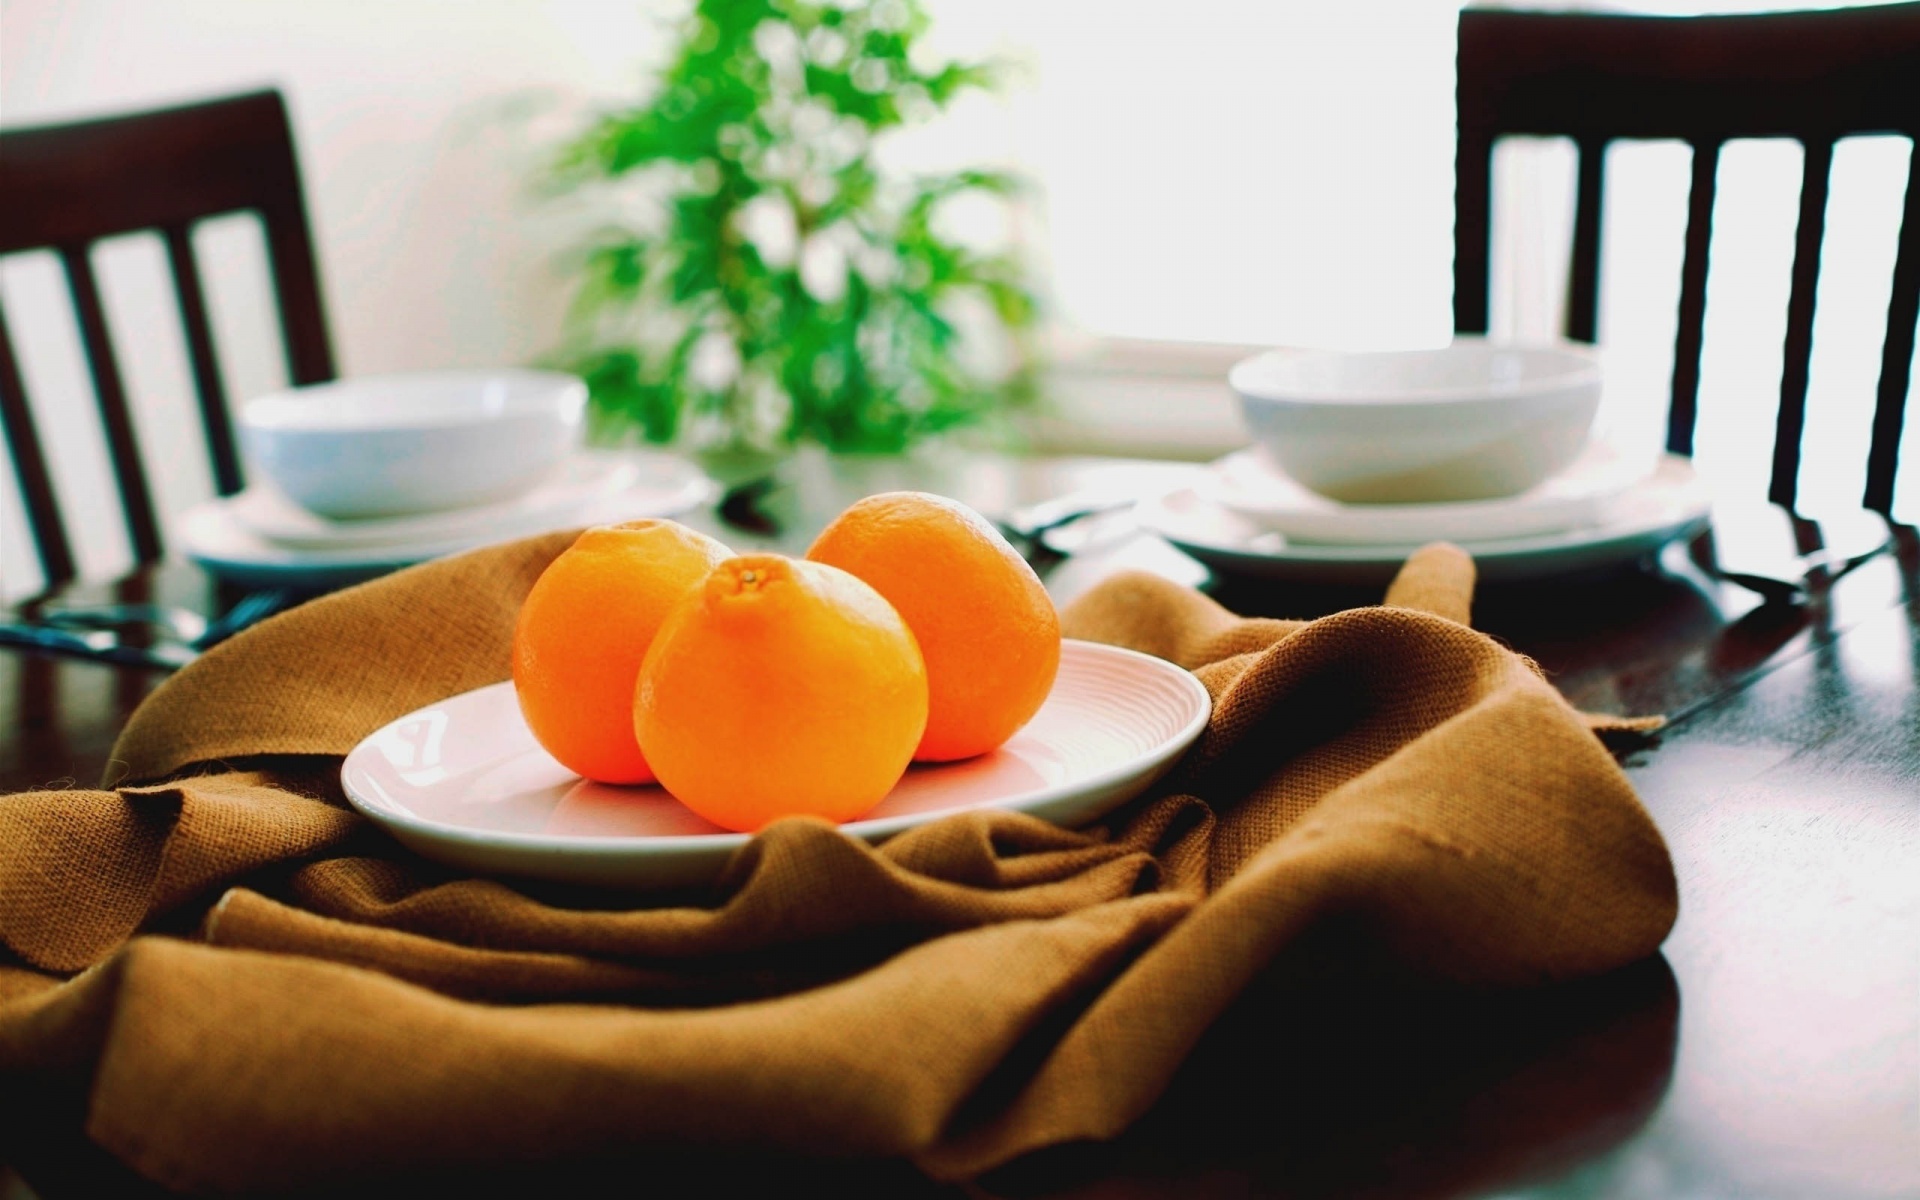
1771	1050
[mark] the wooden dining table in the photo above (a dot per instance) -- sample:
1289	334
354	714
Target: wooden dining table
1771	1049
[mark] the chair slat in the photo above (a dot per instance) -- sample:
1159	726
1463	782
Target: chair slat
122	450
1813	76
212	390
1683	413
1791	420
1583	280
1472	224
1896	353
30	468
303	323
69	185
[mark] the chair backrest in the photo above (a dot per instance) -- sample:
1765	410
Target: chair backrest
1812	76
67	186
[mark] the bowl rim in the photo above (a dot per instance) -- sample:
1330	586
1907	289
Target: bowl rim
1582	370
545	394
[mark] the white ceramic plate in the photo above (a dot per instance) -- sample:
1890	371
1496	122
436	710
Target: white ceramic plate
219	537
464	782
1670	503
1248	483
581	480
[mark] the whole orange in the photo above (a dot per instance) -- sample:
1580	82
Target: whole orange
583	631
986	627
780	687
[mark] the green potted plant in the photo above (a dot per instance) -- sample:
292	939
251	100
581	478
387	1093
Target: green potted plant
767	283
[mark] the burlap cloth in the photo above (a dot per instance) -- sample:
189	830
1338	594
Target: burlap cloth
269	992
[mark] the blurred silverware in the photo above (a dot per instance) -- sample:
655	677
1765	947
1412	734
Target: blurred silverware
250	610
742	506
178	624
1030	528
1782	557
1033	521
100	645
1818	569
167	638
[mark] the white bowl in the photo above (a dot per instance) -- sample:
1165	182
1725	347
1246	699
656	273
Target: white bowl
1472	421
429	441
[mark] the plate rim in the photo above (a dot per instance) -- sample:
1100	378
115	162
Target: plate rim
609	470
1695	505
864	830
684	497
1610	465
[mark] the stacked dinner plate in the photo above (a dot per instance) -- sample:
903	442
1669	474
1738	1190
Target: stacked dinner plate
1363	458
1248	517
393	471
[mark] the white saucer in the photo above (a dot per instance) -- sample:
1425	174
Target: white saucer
1668	504
224	536
1248	483
580	480
464	782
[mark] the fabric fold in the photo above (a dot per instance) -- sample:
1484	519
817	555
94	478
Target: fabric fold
83	870
257	989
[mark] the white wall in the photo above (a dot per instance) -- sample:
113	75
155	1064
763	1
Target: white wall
1231	170
414	171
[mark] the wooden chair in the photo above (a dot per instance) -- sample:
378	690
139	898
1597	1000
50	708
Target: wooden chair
1812	76
67	186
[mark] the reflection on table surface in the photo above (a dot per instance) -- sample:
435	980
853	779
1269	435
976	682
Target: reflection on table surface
1332	1089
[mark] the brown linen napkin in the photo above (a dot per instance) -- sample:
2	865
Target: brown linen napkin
271	993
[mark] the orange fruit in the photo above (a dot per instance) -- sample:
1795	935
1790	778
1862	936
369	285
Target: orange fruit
583	631
780	687
986	627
